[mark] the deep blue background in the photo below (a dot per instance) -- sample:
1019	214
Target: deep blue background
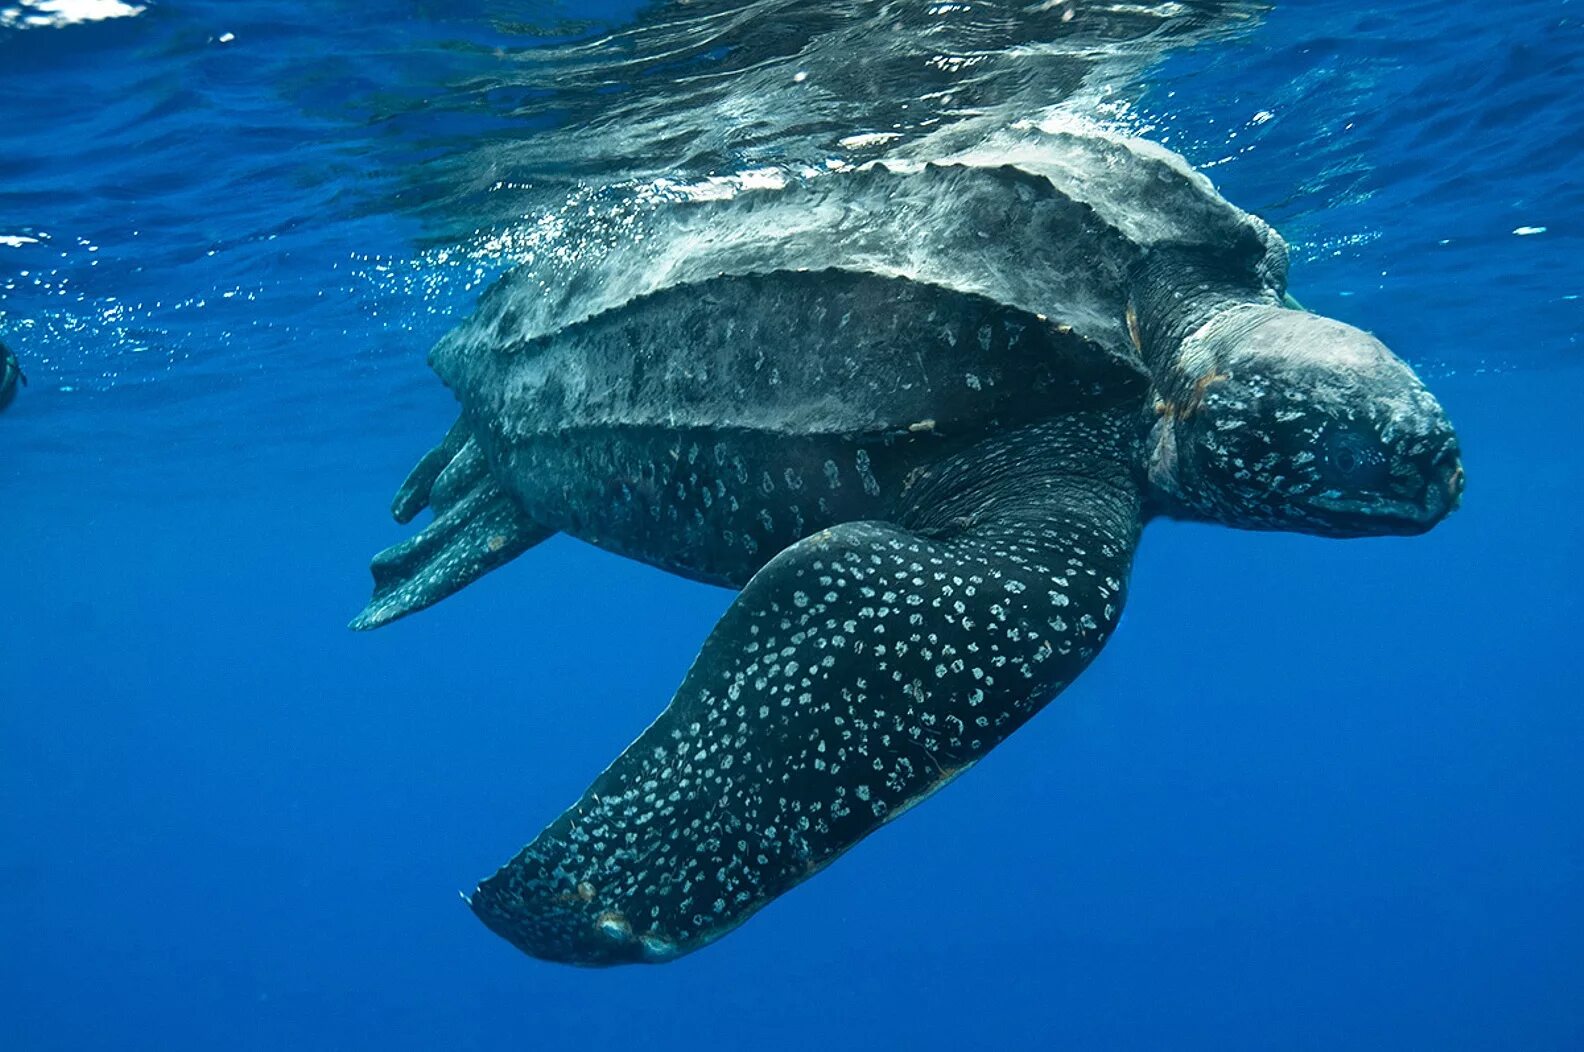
1315	795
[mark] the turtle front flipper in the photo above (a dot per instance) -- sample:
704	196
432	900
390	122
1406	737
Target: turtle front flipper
857	673
477	527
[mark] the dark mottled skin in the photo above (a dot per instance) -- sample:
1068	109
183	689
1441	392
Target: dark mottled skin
930	495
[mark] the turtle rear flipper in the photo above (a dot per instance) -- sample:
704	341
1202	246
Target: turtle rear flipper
413	496
477	527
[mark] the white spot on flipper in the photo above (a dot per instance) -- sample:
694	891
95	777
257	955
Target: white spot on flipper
657	947
614	926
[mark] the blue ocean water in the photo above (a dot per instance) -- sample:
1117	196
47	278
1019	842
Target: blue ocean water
1314	795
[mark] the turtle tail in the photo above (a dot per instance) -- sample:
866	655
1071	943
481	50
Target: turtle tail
477	527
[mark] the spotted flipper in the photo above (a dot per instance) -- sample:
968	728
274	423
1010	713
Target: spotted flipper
477	527
856	674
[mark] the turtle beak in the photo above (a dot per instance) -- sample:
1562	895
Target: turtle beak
1443	492
1454	486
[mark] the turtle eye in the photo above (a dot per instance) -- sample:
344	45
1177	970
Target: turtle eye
1352	460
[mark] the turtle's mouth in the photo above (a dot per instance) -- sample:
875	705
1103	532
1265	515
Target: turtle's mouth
1454	486
1380	515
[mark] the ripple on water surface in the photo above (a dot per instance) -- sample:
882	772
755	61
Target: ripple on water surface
260	215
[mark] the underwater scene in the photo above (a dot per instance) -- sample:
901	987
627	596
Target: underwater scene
509	508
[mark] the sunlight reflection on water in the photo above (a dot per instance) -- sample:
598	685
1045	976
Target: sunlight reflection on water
54	14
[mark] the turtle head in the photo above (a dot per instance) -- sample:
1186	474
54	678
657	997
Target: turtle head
1280	419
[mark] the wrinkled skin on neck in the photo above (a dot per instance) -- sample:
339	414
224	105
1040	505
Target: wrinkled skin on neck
1269	418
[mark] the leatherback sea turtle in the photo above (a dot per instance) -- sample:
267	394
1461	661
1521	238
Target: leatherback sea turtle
918	414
